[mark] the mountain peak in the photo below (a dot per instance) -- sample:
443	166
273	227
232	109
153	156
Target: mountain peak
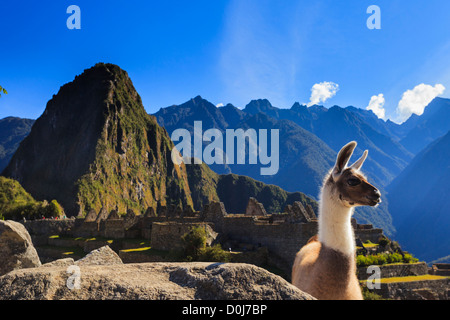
259	105
297	106
93	139
103	71
198	98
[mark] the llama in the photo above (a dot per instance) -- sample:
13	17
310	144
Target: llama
325	267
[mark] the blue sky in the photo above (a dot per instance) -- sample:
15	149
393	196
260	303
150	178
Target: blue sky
231	51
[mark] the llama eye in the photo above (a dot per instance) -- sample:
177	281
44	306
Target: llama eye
353	182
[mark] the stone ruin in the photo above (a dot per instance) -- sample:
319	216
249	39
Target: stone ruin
255	208
296	213
282	234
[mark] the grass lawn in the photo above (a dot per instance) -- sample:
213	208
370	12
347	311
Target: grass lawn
148	250
411	278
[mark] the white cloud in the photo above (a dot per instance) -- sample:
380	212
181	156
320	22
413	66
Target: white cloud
219	105
320	92
376	104
415	100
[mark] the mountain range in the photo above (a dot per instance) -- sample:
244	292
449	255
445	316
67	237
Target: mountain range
310	138
95	146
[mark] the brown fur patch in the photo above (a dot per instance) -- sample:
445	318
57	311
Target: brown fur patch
325	273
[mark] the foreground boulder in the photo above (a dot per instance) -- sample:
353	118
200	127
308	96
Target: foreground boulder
199	280
16	248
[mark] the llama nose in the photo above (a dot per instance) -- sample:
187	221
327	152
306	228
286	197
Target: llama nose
375	195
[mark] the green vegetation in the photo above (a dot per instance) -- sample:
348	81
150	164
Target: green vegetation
368	294
16	203
195	248
384	258
2	90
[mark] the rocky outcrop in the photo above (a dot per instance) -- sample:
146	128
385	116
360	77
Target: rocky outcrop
101	256
173	281
16	248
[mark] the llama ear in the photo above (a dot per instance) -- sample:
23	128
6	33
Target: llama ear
343	157
358	163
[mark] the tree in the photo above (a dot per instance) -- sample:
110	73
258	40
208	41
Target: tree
3	90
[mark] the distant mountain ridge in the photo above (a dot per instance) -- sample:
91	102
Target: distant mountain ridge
297	145
305	158
336	126
235	190
432	124
12	131
419	202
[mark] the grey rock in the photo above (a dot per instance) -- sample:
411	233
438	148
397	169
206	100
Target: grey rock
168	281
101	256
16	248
59	263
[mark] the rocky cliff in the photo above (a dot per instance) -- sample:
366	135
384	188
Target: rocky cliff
95	146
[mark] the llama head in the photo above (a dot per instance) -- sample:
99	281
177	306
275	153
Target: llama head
348	184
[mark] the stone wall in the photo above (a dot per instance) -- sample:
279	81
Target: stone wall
112	228
416	290
40	230
50	226
396	270
373	235
167	235
283	240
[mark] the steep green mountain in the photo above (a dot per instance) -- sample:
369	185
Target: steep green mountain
424	129
419	202
12	131
95	146
235	190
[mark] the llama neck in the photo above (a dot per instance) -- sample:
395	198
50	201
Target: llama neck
335	228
